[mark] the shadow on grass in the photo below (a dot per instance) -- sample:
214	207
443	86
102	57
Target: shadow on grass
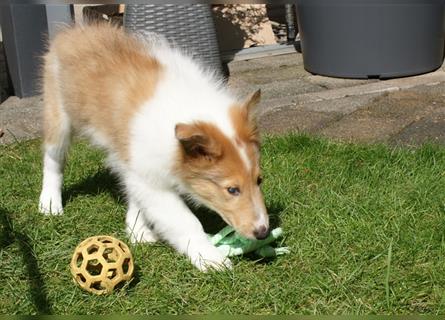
101	182
131	285
37	288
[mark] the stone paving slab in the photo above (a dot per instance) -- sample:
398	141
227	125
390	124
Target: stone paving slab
391	117
430	129
344	105
379	87
296	120
20	119
384	118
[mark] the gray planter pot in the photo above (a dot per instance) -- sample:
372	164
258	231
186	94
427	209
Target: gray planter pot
190	27
371	38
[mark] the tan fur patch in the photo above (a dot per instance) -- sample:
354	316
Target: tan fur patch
52	116
104	77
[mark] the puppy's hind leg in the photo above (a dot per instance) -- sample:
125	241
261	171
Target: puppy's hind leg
57	137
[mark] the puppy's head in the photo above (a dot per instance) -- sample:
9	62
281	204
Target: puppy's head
223	172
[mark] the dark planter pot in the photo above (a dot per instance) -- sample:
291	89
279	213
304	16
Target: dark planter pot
371	38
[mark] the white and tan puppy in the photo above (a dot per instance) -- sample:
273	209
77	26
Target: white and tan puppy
169	128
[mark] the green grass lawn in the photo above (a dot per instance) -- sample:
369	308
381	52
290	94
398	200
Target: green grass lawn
366	225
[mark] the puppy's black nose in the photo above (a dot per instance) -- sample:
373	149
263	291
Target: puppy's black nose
261	233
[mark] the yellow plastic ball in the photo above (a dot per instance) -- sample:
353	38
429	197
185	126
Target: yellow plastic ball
100	263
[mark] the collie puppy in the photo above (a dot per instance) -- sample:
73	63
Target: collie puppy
170	131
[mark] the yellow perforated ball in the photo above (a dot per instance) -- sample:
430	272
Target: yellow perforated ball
100	263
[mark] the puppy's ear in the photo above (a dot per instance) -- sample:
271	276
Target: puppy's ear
196	142
251	103
249	108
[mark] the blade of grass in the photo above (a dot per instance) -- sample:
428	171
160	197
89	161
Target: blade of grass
388	272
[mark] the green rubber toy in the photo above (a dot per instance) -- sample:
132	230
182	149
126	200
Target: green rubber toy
231	243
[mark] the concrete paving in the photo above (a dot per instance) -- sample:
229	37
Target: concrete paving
404	111
20	119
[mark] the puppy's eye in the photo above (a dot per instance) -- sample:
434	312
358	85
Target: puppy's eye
234	191
259	180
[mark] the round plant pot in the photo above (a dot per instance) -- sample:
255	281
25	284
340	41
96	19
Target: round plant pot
189	26
371	38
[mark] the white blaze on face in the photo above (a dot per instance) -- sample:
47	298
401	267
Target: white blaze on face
260	211
262	218
243	154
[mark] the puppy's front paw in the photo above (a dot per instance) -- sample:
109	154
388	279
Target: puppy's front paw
50	204
209	258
